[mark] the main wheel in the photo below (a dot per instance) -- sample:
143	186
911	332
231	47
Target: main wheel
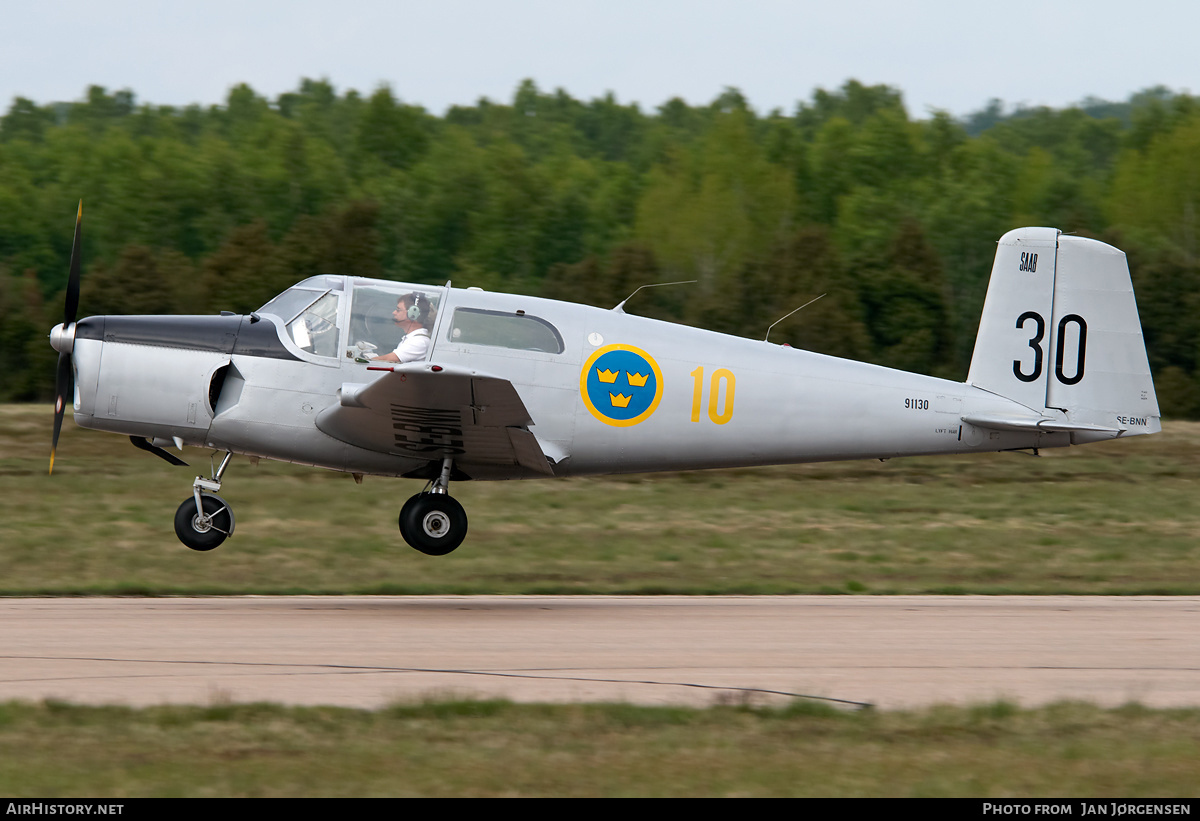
203	532
433	523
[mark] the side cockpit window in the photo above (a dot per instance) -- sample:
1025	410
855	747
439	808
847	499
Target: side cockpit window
474	326
382	314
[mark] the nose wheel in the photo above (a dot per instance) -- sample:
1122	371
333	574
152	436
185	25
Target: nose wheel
204	520
207	528
433	522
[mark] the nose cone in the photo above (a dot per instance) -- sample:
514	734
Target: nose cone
62	337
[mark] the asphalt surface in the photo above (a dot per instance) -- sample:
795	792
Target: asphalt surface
897	651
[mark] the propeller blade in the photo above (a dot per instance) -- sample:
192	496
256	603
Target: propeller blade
72	305
64	378
64	387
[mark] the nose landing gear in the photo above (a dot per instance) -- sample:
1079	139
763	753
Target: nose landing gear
205	520
433	522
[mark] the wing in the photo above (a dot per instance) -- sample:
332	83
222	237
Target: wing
426	411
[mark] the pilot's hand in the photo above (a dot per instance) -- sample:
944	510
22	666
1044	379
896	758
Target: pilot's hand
364	351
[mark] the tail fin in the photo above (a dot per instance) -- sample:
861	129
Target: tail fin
1060	334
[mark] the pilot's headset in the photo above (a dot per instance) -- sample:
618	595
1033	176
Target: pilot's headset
418	310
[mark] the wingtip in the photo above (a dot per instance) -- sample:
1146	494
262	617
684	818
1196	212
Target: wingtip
79	214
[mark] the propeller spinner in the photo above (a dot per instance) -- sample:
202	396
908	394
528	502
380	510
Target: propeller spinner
62	338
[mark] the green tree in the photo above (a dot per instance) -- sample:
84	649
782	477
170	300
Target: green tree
711	211
27	361
245	272
25	120
803	267
1156	192
391	132
134	285
906	307
604	285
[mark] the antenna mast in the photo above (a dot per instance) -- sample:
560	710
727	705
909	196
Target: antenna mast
785	316
621	307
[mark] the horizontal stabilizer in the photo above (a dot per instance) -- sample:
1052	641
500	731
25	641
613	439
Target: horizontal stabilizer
1000	421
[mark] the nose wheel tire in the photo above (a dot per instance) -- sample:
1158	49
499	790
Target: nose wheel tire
203	532
433	523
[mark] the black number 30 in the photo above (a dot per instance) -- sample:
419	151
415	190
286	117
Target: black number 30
1035	342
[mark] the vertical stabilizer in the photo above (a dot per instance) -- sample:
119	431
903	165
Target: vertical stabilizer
1060	334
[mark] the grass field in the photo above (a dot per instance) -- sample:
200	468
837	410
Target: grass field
1112	518
502	749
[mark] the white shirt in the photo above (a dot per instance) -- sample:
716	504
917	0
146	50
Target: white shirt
413	346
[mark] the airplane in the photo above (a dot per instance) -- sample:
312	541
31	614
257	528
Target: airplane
518	387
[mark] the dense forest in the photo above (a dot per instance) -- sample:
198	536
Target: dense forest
196	210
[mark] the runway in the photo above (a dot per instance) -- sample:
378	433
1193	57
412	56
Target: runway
890	652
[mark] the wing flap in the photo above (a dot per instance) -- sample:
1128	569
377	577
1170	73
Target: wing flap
528	452
427	411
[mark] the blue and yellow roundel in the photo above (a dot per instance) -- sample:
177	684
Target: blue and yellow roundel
621	385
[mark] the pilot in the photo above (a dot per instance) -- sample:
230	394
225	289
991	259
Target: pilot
411	314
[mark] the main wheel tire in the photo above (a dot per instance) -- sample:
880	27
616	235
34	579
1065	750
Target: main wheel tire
433	523
200	535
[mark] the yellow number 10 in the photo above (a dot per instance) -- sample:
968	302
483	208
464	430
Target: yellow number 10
714	395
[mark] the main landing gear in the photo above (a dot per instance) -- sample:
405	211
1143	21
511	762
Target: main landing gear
433	522
205	520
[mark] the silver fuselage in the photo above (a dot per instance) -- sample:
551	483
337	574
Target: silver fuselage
246	386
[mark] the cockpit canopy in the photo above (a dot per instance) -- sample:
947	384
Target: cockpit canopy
316	317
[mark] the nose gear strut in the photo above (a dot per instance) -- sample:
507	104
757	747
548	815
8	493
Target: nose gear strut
205	520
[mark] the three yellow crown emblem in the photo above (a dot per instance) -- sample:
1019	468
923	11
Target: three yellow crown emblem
620	385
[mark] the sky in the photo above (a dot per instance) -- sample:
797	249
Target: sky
942	55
